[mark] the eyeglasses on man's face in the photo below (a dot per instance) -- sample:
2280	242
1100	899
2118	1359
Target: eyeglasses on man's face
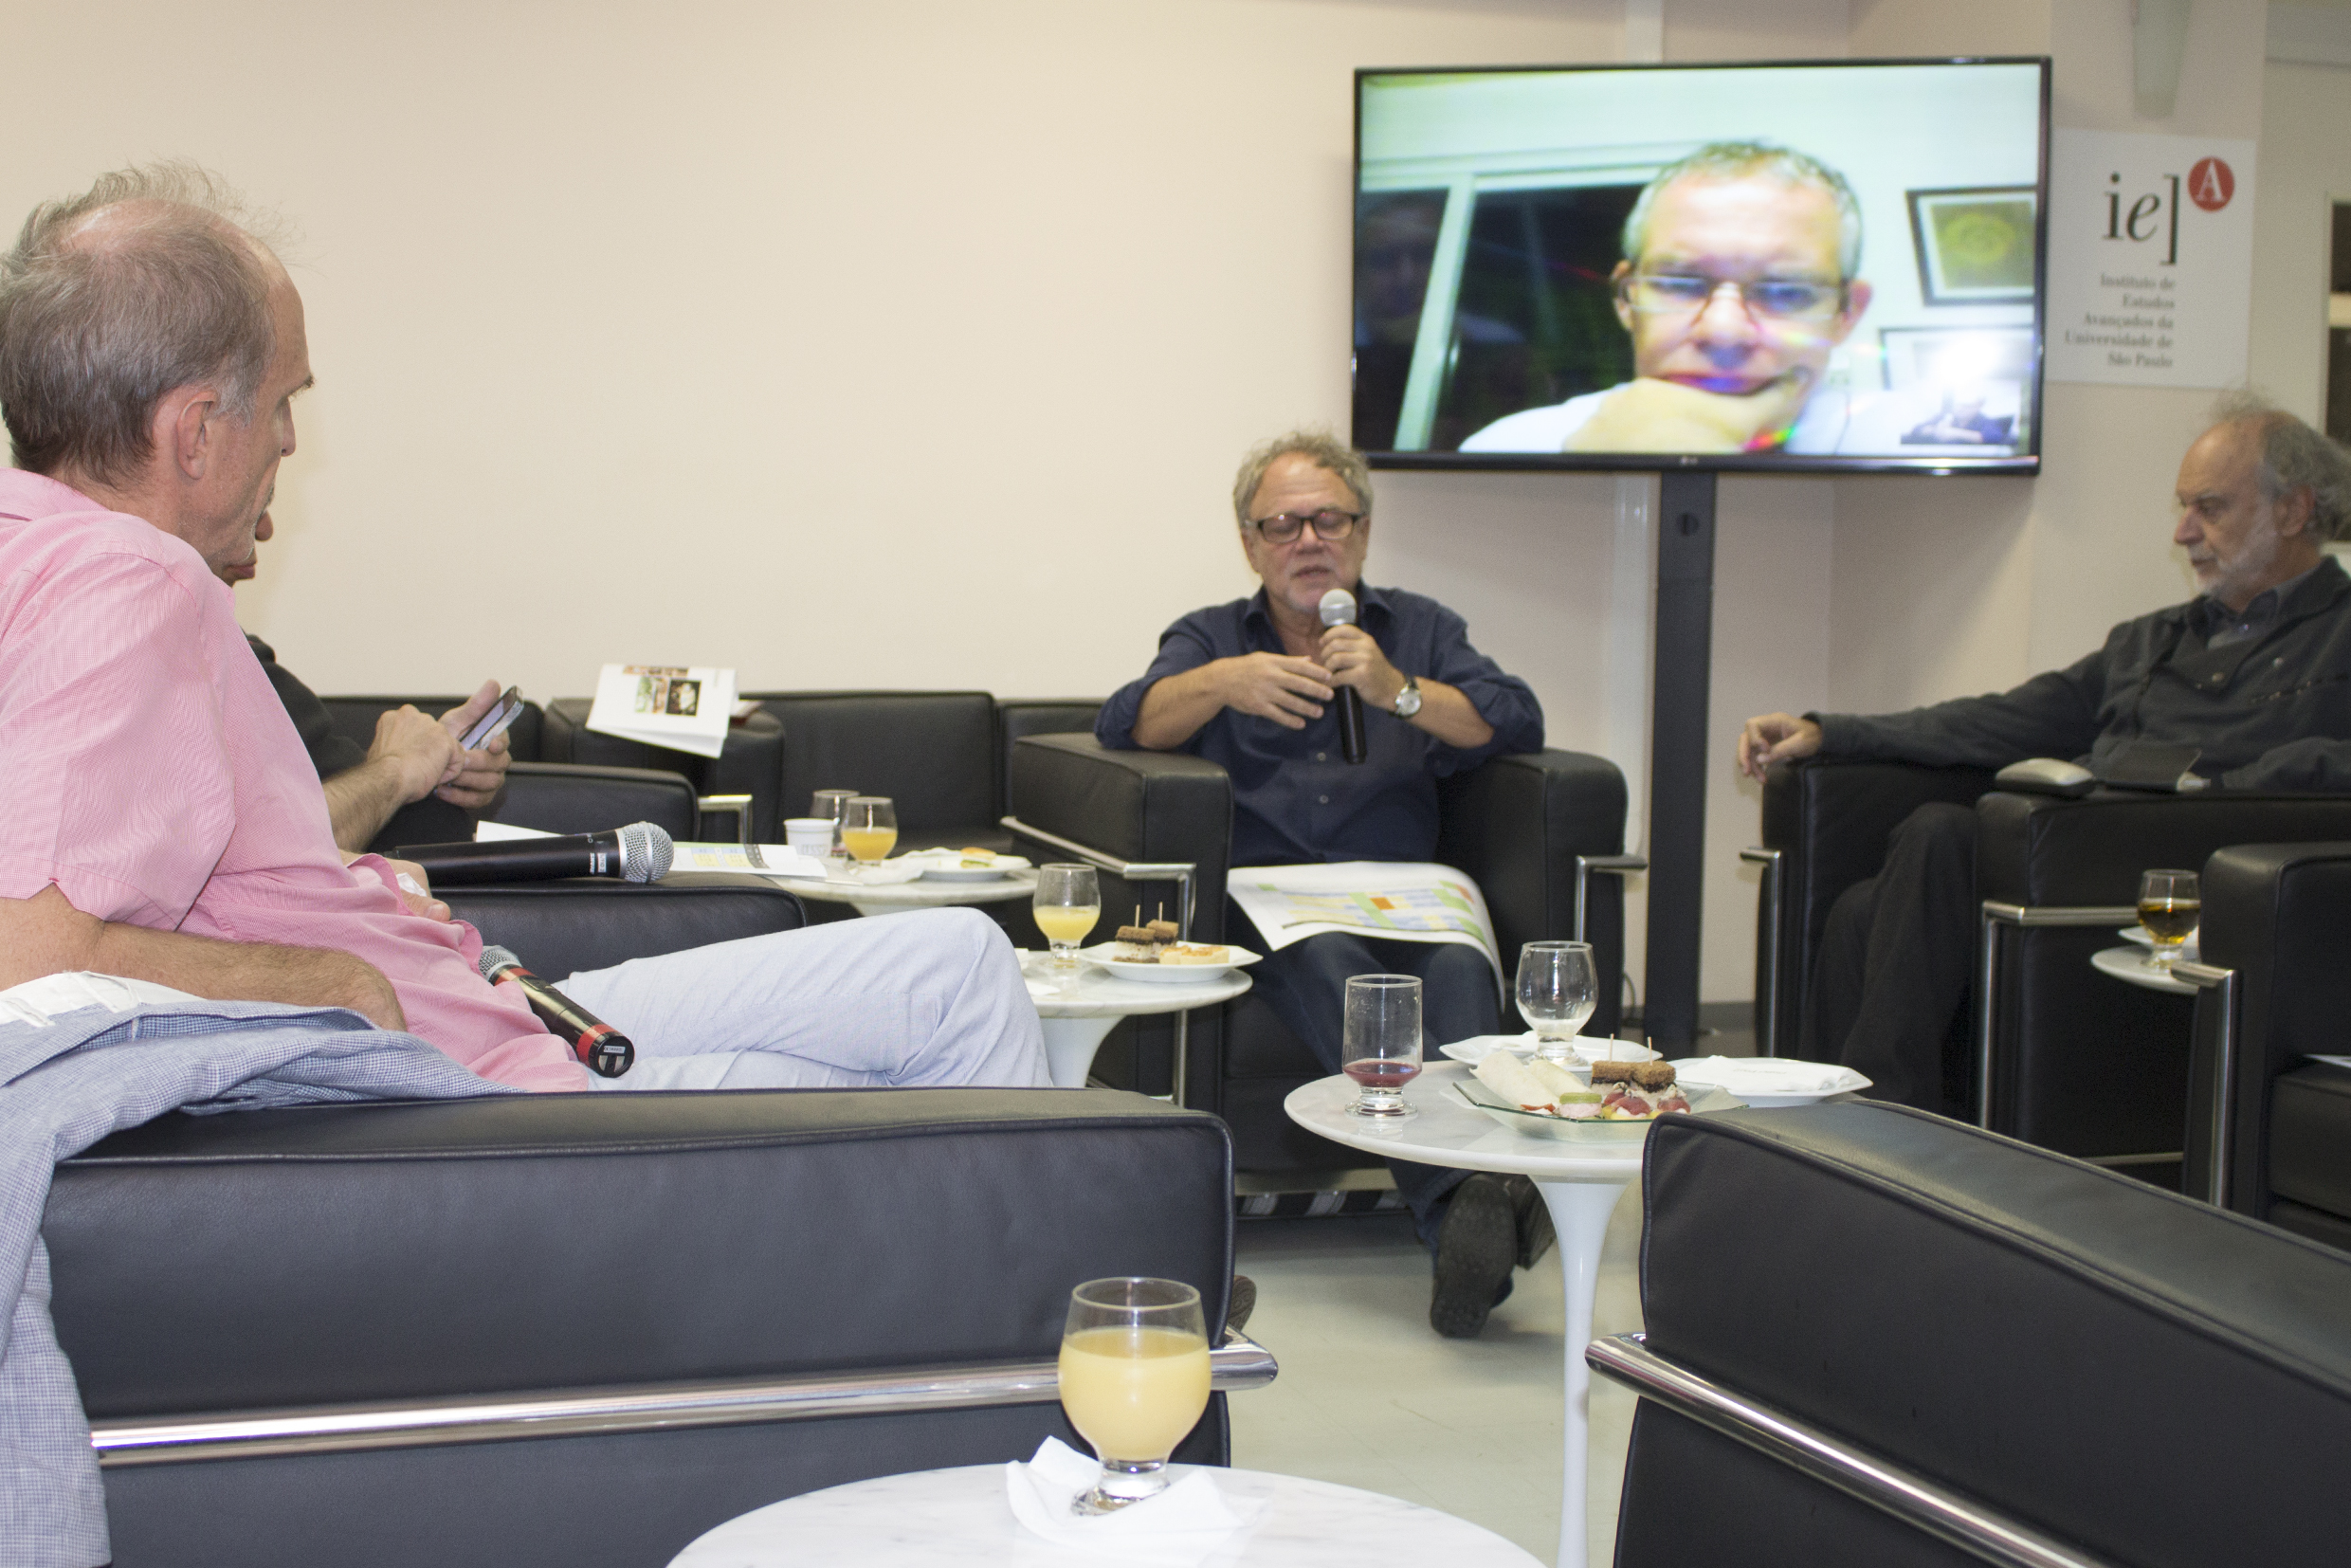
1765	298
1330	525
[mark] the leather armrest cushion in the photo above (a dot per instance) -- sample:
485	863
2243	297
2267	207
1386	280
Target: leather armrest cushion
2070	1345
562	797
1516	824
1138	805
2043	849
561	927
357	1252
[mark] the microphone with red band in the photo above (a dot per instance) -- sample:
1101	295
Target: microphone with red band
605	1051
1338	609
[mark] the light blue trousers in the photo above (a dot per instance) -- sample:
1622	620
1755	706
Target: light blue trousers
928	998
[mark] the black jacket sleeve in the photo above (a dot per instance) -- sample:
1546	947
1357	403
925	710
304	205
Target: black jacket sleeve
430	820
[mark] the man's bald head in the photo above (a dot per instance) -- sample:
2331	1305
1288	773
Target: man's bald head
148	281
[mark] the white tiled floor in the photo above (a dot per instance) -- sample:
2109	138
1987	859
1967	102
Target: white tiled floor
1370	1396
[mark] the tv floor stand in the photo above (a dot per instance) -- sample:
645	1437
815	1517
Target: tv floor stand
1677	774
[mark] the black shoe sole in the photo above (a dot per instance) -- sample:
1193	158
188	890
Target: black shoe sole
1476	1246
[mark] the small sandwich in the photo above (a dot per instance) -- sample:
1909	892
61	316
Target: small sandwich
1164	931
1646	1090
978	860
1141	945
1538	1085
1192	952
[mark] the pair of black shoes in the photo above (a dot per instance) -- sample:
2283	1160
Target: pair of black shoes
1493	1224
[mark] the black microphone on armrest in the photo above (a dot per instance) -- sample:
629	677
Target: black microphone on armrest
639	853
605	1051
1338	609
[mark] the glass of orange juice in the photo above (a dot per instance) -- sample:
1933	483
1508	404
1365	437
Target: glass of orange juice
869	828
1068	902
1133	1380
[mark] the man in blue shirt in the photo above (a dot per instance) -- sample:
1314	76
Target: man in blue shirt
1249	687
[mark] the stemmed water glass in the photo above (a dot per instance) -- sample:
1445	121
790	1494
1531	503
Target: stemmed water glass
1068	902
834	806
1557	992
1134	1379
1380	1043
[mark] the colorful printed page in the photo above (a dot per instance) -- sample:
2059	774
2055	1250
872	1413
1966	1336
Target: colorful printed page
685	709
1404	899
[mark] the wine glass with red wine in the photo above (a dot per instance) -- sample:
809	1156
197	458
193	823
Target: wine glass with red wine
1381	1046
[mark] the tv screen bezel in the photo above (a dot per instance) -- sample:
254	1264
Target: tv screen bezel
2026	462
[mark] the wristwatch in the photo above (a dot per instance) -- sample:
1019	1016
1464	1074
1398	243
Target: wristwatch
1407	700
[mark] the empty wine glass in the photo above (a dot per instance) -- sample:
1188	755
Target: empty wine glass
1557	992
1380	1043
834	805
1134	1379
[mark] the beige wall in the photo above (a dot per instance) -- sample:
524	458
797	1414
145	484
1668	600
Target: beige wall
912	343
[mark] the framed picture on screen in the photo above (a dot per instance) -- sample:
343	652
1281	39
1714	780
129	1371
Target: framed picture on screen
1976	245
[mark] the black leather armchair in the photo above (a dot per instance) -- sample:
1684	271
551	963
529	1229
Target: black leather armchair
2075	1061
1878	1337
553	796
2269	1129
750	764
584	1328
1528	828
941	756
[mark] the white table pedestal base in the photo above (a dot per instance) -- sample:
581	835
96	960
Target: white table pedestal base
1580	1211
1069	1047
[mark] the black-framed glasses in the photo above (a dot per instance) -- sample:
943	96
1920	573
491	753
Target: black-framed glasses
1330	525
1765	298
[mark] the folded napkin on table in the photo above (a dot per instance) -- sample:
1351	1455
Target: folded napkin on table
1174	1529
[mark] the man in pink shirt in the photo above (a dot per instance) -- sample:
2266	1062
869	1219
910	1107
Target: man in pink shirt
163	821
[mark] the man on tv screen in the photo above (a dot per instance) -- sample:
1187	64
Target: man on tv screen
1738	280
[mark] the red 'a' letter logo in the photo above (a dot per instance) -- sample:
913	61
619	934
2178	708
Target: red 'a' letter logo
2211	183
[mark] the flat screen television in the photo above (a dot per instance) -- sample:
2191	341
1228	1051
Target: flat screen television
1830	265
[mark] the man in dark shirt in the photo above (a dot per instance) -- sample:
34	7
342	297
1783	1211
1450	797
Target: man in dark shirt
2255	673
1248	686
412	783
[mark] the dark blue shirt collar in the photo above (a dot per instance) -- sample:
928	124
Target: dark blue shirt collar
1368	600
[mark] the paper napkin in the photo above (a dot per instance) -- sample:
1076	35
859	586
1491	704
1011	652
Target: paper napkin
1176	1529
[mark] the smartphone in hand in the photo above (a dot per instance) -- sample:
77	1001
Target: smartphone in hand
492	724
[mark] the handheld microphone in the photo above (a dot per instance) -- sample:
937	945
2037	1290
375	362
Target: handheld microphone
639	853
1338	609
605	1051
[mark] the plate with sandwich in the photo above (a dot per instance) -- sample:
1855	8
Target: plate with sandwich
1617	1104
964	865
1152	953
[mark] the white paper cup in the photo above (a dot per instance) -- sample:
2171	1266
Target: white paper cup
811	835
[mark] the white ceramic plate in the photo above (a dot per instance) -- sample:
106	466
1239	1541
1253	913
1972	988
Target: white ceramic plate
951	868
884	873
1588	1049
1099	955
1769	1081
2138	933
1534	1124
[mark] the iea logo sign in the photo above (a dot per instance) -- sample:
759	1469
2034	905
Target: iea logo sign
2150	259
2211	183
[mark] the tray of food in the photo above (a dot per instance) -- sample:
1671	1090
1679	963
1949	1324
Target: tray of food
1615	1103
1152	953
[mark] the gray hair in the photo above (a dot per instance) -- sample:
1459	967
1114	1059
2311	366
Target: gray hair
1323	448
98	322
2295	457
1739	160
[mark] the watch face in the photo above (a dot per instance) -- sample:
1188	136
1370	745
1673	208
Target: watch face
1407	700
